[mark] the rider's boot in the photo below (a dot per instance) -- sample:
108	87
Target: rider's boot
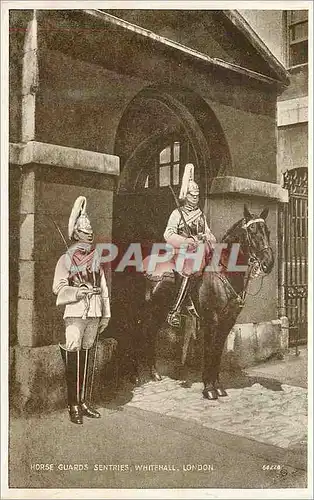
174	317
71	361
86	384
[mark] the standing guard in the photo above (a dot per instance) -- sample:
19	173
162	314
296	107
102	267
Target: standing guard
80	286
187	225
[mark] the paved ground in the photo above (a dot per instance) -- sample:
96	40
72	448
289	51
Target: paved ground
267	403
277	417
291	370
164	435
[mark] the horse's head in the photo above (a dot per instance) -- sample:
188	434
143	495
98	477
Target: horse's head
256	235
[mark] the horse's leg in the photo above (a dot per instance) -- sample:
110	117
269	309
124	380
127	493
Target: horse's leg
210	329
149	322
224	326
151	327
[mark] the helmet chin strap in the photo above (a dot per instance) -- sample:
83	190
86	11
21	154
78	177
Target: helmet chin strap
190	206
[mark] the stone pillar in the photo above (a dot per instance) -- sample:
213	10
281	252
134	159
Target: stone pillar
47	184
26	293
29	80
29	87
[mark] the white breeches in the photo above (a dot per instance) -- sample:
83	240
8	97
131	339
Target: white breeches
80	333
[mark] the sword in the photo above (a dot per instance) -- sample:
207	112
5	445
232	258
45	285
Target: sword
49	216
93	369
79	275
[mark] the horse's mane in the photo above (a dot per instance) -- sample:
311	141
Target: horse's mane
237	225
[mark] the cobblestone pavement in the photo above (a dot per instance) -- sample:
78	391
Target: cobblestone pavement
273	417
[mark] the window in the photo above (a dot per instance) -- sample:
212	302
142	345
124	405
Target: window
166	167
297	29
169	165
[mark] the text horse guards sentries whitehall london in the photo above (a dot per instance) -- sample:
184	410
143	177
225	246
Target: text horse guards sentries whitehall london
216	296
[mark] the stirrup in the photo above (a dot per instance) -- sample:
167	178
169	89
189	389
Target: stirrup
174	319
192	310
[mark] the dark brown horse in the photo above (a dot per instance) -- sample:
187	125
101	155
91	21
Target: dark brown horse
218	295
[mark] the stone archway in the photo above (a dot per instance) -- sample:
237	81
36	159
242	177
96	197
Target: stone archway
155	121
199	122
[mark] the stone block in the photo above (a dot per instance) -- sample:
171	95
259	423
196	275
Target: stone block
252	343
39	378
292	111
11	364
240	347
249	187
284	334
267	340
27	237
25	322
28	182
55	155
28	117
26	283
39	381
51	154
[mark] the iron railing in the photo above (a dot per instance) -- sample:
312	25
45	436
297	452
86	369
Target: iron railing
295	254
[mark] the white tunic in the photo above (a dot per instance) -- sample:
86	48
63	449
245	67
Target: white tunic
176	234
97	306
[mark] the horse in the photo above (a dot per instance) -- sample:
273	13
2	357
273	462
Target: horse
219	296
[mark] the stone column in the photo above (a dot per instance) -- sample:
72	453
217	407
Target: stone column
26	297
29	86
46	184
29	80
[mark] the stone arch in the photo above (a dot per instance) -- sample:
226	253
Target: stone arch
180	106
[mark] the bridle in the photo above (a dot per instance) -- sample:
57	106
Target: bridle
254	262
254	255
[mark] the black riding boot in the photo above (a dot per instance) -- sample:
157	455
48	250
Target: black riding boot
71	361
86	382
174	317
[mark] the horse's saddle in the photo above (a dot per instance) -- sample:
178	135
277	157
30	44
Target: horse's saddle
160	271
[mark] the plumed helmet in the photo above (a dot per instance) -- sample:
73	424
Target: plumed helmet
188	184
79	218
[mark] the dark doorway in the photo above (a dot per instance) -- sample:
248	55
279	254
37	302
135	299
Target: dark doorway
140	216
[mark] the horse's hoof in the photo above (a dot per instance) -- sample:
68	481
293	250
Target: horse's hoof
210	394
155	376
221	391
139	379
133	379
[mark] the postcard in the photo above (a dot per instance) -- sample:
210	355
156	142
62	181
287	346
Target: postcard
156	249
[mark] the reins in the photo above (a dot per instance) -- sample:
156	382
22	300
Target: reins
253	260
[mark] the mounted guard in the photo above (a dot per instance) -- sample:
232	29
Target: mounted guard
187	225
80	286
